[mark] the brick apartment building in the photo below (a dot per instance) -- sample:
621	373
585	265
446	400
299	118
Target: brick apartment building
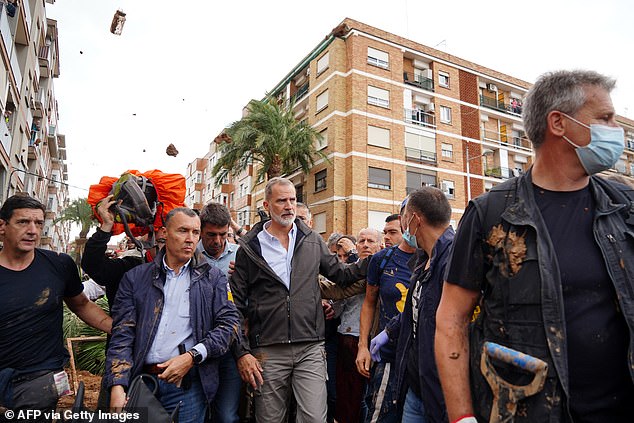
395	115
32	150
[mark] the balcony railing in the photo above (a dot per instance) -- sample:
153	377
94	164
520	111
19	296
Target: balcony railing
420	117
499	172
301	92
495	104
418	81
506	140
420	155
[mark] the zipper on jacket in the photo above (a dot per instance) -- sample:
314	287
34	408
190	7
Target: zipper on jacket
619	256
288	314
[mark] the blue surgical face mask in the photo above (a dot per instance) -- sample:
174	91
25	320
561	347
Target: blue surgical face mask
410	238
605	147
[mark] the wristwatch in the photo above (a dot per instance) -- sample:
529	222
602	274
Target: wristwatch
196	356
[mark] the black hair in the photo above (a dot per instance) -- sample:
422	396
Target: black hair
19	201
431	203
392	218
215	214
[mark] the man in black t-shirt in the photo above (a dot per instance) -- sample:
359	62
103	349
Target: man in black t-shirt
547	257
33	283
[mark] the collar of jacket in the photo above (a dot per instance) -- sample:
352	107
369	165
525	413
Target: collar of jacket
198	266
251	245
524	207
440	247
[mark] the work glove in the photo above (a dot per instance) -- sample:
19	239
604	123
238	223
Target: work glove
376	344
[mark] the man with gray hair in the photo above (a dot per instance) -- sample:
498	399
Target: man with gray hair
275	287
549	258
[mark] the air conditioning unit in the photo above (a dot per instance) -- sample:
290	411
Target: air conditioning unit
492	87
429	107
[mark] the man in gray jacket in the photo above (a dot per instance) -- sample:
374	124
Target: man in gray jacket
275	287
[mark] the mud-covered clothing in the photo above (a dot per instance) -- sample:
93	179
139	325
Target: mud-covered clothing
138	308
31	312
104	270
550	266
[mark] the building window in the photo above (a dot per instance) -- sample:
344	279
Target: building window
322	101
378	97
319	223
420	147
378	136
631	169
321	143
443	79
445	114
449	188
320	180
322	63
379	178
199	177
378	58
415	180
447	151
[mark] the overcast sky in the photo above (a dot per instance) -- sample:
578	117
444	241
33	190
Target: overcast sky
183	70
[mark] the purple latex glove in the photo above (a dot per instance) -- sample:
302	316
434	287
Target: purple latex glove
376	344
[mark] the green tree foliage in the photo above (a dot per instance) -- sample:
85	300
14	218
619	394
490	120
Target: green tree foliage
271	137
80	213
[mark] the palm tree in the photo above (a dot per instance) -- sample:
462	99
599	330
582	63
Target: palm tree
268	135
80	213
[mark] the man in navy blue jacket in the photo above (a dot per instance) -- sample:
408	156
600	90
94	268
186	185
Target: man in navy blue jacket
426	227
172	319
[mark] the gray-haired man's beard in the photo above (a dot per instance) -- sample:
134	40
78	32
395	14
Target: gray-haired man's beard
283	221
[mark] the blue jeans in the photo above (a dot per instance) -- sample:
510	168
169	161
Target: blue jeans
193	401
227	401
413	410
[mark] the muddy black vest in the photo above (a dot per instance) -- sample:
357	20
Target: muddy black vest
522	305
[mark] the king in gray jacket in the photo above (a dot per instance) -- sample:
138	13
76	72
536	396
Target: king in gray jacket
282	309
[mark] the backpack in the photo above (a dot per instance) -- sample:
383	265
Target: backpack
136	200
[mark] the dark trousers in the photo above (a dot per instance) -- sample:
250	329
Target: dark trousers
350	383
35	391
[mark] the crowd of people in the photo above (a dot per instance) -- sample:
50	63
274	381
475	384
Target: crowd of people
525	312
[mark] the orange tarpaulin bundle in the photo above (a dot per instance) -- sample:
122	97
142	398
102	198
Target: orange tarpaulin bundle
170	190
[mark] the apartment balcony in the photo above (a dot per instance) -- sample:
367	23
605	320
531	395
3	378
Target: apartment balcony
33	153
492	103
499	172
44	59
629	146
300	93
419	117
420	156
418	81
507	140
